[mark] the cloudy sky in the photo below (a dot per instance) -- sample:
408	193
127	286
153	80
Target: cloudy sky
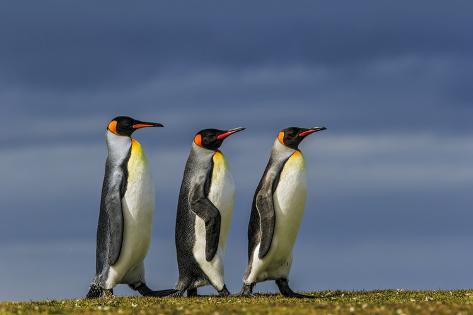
390	182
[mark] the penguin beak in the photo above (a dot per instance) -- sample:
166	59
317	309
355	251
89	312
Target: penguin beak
311	130
229	132
143	124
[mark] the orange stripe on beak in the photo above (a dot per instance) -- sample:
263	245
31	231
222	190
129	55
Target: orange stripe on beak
312	130
305	133
229	132
138	126
224	135
145	125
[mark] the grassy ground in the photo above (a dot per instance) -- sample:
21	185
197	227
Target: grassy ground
326	302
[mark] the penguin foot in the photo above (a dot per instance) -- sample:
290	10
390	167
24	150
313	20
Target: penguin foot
224	291
192	292
178	293
144	290
285	290
96	292
247	290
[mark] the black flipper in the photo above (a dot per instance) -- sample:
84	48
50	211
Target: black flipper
263	215
267	218
110	227
285	290
206	210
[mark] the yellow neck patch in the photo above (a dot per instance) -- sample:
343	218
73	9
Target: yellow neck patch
136	149
219	161
297	159
297	153
137	161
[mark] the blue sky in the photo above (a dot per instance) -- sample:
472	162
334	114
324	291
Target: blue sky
390	181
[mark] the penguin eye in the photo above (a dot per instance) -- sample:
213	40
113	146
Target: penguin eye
208	139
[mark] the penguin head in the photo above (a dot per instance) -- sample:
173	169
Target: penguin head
125	126
212	139
292	136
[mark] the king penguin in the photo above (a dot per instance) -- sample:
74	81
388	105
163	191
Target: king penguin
126	212
204	212
277	210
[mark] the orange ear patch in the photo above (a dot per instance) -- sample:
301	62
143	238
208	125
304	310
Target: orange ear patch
112	126
198	139
281	137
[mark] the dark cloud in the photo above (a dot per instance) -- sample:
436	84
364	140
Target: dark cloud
67	45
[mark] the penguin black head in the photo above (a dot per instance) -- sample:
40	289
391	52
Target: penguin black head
125	126
292	136
212	139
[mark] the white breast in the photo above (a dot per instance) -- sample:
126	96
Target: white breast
138	208
289	202
222	195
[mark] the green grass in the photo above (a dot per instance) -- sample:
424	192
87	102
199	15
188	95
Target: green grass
326	302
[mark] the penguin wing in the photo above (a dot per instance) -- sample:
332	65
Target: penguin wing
264	205
267	218
110	231
206	210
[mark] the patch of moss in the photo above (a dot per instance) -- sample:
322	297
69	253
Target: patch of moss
325	302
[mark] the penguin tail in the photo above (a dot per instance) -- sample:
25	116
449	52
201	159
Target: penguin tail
144	290
163	293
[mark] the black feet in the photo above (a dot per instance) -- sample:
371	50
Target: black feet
96	292
144	290
247	290
224	291
163	293
178	293
192	292
283	286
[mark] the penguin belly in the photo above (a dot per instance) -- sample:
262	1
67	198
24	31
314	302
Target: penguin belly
222	195
138	208
289	203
